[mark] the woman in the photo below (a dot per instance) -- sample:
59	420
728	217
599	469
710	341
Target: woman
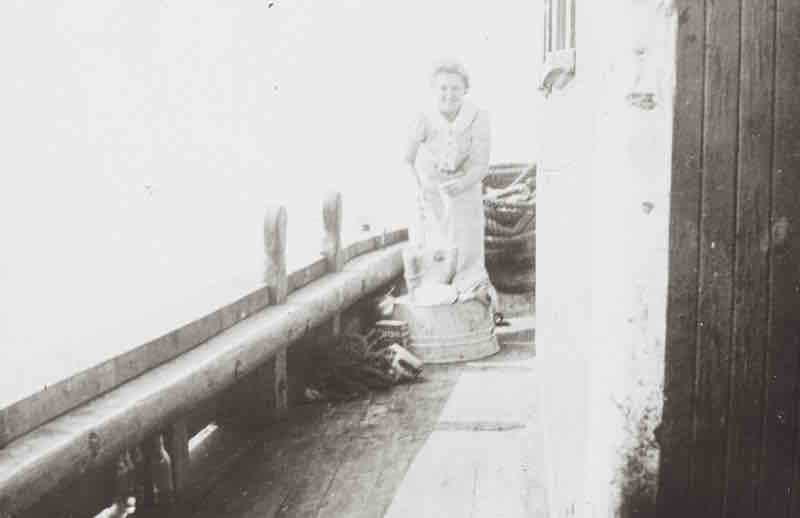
448	153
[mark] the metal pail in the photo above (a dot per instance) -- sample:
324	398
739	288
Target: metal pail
448	332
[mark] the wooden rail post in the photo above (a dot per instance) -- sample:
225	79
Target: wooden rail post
277	284
384	238
332	245
177	443
159	491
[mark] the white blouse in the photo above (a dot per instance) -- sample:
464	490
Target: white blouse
459	147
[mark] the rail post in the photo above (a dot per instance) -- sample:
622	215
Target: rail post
159	490
277	284
332	246
177	443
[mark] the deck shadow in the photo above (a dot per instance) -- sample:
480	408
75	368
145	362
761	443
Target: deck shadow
343	459
300	467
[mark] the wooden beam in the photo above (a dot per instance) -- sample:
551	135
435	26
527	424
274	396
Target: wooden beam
717	252
161	495
278	286
275	253
30	412
781	468
60	397
332	246
684	235
751	273
307	274
177	442
97	432
372	243
785	205
332	227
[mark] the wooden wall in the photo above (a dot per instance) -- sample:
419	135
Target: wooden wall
730	439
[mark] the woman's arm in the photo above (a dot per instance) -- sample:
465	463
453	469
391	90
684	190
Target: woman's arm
415	139
476	166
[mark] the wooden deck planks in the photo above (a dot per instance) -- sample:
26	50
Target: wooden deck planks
352	460
440	482
363	461
466	470
269	477
59	451
343	462
510	483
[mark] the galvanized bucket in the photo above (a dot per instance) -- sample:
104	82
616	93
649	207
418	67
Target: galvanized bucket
448	332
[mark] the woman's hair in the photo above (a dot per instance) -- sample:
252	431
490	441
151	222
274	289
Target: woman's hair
450	66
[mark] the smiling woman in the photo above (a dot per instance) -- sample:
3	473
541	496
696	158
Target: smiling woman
144	140
448	153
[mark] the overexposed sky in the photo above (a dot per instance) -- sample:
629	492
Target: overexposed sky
142	141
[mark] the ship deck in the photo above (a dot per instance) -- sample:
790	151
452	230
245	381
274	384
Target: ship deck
464	440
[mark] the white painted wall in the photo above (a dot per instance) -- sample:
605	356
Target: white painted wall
142	140
602	243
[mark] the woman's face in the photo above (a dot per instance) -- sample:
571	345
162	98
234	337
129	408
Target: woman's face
449	90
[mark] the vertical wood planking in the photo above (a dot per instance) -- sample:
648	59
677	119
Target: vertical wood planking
780	440
332	244
788	161
717	244
177	443
275	278
676	429
752	258
744	460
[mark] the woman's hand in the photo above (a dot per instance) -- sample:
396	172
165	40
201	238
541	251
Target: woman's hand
455	186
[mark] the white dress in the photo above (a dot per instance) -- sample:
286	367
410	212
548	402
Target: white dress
454	221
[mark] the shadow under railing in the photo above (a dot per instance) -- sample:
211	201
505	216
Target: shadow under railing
163	421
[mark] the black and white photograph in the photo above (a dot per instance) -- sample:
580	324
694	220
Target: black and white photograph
413	259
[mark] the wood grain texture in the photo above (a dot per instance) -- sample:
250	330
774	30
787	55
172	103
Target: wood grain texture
684	238
717	248
307	274
332	248
177	443
332	227
751	275
275	253
361	247
747	379
277	282
100	430
26	414
779	471
352	459
789	128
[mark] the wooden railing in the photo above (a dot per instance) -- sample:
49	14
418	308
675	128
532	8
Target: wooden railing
142	420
